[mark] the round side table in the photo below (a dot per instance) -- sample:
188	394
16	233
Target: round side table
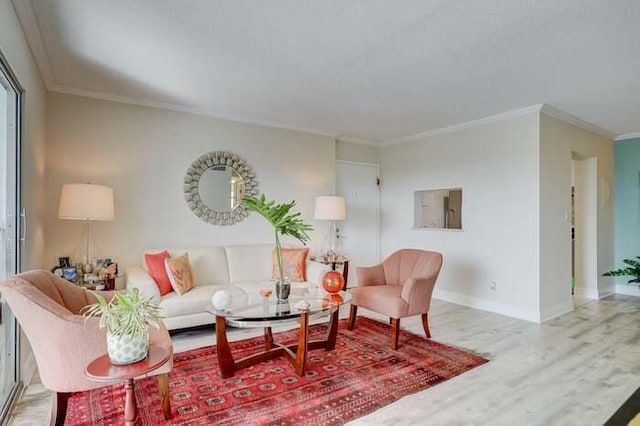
101	370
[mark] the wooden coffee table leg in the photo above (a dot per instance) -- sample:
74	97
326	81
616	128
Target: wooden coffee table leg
303	338
129	404
163	390
332	332
225	358
268	338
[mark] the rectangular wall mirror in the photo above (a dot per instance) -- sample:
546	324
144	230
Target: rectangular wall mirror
438	208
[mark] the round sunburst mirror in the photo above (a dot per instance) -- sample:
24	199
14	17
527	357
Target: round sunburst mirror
215	185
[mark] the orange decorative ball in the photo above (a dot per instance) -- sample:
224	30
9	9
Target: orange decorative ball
332	281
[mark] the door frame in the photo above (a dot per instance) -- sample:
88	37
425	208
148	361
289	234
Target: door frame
19	222
378	213
586	230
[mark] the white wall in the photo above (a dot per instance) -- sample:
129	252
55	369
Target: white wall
350	151
558	142
497	167
14	46
143	154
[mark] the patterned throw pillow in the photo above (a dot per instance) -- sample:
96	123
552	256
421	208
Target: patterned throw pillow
294	262
157	270
180	273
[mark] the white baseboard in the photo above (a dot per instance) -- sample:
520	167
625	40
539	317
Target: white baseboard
606	290
556	310
629	290
28	369
589	293
486	305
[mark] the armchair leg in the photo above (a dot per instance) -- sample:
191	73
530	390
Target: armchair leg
395	332
163	390
59	408
353	311
425	325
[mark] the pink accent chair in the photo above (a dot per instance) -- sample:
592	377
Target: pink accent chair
401	286
48	309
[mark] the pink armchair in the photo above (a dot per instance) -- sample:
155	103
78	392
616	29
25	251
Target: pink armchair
401	286
48	310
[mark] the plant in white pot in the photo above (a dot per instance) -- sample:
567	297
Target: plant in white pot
127	318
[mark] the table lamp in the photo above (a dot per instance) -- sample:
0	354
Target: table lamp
85	201
331	208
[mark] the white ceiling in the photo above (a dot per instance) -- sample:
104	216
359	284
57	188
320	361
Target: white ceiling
374	70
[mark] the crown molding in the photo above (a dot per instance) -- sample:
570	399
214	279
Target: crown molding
466	125
628	136
31	29
349	139
130	100
571	119
540	108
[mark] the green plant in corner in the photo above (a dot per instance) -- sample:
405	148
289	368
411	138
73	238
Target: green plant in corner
633	270
283	221
126	314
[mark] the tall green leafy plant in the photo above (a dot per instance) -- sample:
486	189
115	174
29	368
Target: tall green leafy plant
633	270
283	221
126	314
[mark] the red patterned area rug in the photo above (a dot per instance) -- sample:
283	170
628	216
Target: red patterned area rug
361	375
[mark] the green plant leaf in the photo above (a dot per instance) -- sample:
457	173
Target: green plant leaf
283	221
633	271
126	313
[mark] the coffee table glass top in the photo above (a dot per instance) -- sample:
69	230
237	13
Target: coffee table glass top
251	309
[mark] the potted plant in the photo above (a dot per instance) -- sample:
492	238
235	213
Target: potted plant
632	271
284	223
127	318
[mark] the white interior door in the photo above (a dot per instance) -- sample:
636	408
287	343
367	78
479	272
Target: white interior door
359	235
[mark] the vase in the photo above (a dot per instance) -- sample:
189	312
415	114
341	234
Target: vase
283	308
127	349
283	288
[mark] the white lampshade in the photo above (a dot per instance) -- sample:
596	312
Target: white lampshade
84	201
330	207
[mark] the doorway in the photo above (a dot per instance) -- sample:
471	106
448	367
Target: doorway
584	229
10	114
359	235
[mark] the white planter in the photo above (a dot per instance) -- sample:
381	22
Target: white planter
126	349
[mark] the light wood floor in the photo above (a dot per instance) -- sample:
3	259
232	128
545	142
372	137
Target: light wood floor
574	370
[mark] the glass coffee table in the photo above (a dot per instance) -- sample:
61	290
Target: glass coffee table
251	310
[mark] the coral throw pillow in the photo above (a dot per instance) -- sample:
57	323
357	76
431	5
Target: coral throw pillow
180	273
294	262
155	266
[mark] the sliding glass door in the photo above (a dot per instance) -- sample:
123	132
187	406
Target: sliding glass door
10	110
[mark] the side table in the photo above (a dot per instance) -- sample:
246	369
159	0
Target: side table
334	266
101	370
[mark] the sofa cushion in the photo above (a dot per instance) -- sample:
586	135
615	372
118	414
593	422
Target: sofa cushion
180	273
154	263
249	262
209	264
294	264
196	301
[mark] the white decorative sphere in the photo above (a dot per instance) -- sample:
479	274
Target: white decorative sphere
221	300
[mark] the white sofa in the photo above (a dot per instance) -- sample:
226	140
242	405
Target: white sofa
240	268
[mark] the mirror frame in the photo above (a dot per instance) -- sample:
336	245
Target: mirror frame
192	180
